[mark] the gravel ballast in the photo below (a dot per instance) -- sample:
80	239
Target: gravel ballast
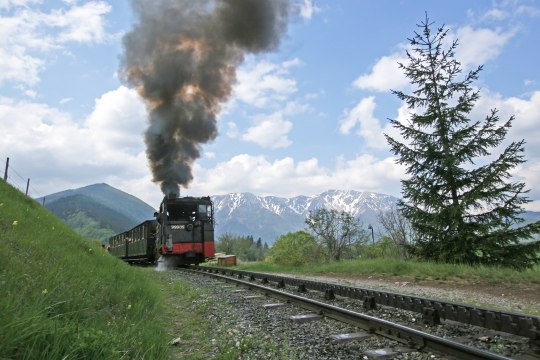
259	333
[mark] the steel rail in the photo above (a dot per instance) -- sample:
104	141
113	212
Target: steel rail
509	322
403	334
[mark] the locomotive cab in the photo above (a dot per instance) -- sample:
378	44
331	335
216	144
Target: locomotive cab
186	229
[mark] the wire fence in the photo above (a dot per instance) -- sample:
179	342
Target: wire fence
15	179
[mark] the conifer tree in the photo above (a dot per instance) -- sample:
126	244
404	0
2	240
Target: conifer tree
460	199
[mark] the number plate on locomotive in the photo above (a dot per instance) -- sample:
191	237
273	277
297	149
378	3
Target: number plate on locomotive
178	227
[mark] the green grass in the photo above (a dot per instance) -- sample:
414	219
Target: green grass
410	269
63	297
185	306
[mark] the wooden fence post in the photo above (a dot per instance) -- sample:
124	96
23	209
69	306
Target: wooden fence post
6	172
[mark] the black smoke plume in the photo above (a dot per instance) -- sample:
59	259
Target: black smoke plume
182	57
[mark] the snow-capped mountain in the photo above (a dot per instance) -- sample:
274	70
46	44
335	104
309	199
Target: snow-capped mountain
269	217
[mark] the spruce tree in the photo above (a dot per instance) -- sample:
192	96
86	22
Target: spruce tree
460	199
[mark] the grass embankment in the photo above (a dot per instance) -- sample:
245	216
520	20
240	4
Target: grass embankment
63	297
413	270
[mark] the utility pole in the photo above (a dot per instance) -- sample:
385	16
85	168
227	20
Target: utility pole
6	172
27	186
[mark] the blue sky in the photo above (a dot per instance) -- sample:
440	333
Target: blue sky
303	119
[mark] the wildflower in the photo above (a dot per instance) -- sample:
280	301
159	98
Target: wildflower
44	292
129	306
15	222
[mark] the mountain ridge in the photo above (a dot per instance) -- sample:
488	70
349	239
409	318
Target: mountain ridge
267	217
290	213
107	195
97	211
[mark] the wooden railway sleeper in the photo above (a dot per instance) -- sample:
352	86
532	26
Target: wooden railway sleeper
418	305
492	322
329	294
508	325
463	315
477	318
369	303
431	316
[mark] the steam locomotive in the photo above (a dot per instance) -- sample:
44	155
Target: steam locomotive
183	232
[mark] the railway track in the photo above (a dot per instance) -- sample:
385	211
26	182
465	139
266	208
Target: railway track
360	302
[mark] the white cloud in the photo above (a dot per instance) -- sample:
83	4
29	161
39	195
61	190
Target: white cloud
364	108
56	150
369	127
291	63
530	174
526	112
505	10
7	4
19	67
478	46
232	130
270	131
314	95
287	177
267	85
27	35
31	94
264	83
308	9
117	121
84	23
525	10
525	126
495	14
385	74
65	100
294	107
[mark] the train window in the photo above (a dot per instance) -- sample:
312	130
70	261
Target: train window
181	212
204	211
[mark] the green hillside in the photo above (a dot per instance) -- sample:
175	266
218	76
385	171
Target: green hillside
98	211
63	297
90	218
110	197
